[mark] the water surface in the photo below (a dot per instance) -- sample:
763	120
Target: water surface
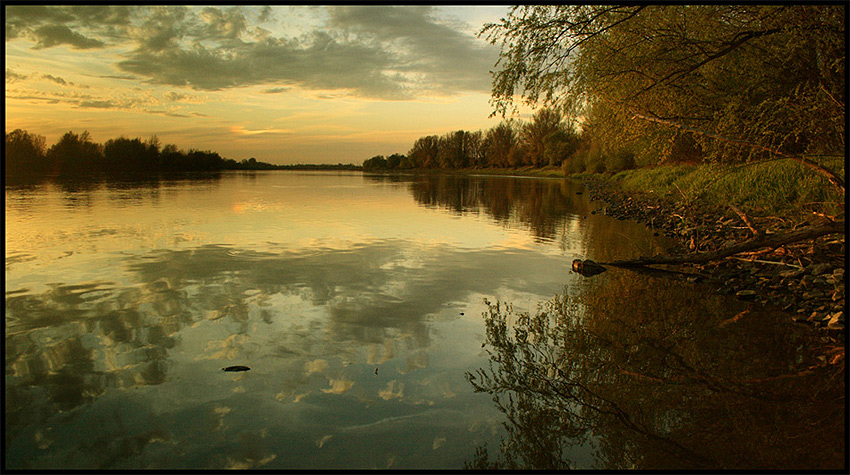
360	303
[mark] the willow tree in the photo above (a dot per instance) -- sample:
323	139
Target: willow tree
742	81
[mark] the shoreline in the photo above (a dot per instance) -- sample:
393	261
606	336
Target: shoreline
805	279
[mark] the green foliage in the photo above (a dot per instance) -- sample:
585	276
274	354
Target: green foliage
779	187
772	75
574	164
544	123
619	160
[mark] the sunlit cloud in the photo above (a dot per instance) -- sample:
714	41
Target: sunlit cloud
240	130
334	81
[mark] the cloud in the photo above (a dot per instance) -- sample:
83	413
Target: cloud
55	79
12	76
317	62
54	35
98	104
447	58
380	52
52	26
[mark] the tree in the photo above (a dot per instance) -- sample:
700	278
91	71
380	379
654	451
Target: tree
75	155
451	150
24	155
500	145
424	152
558	146
772	75
377	162
123	155
544	123
394	160
474	146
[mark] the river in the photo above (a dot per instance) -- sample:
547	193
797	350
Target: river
403	322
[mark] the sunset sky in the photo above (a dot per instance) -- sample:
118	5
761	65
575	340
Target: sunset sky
283	84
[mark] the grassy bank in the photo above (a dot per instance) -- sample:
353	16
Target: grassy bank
777	188
544	172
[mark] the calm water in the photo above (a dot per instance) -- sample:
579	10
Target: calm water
370	309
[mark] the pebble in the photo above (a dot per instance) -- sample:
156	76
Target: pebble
817	284
745	294
818	269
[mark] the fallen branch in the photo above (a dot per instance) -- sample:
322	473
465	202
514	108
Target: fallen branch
760	261
772	240
746	220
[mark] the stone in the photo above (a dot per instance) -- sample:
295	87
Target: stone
818	269
746	294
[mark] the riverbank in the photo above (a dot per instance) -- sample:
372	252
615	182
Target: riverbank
805	279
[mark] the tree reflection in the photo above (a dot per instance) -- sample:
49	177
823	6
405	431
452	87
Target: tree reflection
539	205
643	373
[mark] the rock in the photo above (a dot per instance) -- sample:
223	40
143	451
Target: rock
791	273
587	267
838	272
236	368
818	269
746	294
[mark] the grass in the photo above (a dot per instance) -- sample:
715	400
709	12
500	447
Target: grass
545	172
778	188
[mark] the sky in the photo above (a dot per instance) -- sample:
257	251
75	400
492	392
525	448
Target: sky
282	84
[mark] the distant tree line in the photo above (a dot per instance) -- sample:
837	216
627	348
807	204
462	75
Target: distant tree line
27	157
548	140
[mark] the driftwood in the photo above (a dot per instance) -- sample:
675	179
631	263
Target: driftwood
771	240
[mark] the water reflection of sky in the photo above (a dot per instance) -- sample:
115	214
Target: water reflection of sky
357	308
